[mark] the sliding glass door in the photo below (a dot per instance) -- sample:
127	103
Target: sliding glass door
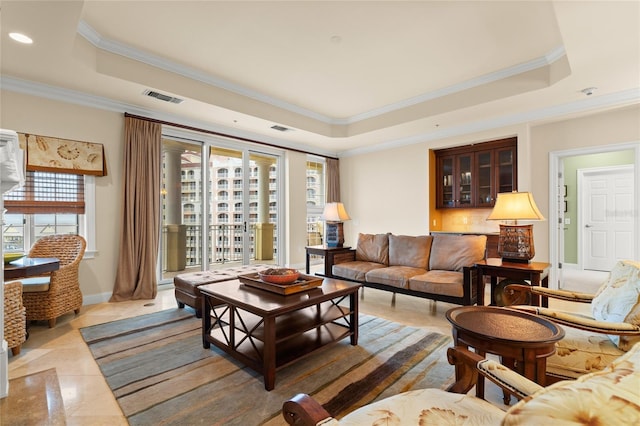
219	212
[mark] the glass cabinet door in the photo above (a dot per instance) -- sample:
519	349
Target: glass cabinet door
465	168
506	170
446	183
485	187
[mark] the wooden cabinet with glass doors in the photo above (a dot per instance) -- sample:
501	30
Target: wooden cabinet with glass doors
473	175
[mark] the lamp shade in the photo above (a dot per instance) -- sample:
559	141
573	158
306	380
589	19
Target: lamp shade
515	206
335	212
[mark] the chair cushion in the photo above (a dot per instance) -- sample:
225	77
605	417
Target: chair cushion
618	300
452	252
426	407
37	284
610	396
373	248
581	352
413	251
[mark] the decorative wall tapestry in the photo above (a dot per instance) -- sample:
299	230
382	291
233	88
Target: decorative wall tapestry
50	154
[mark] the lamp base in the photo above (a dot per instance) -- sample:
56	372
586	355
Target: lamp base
515	243
335	234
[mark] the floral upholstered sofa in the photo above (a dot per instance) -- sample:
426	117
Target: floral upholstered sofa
439	267
607	397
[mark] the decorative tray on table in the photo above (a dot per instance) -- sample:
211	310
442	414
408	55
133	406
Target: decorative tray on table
302	283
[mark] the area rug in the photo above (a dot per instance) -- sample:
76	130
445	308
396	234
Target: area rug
160	373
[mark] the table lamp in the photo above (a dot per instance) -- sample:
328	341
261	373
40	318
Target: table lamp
515	243
334	214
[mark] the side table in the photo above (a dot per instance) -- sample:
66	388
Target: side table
522	340
535	272
329	253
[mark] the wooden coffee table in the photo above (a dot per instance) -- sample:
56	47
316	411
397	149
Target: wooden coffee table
267	331
522	340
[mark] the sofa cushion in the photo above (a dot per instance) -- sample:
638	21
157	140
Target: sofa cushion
355	270
446	283
618	300
609	397
396	276
373	248
453	252
410	251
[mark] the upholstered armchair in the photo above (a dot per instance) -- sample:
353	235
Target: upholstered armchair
610	396
590	342
50	296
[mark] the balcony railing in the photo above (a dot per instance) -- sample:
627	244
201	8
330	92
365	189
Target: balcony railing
225	245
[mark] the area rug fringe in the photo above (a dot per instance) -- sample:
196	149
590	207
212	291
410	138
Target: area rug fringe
160	373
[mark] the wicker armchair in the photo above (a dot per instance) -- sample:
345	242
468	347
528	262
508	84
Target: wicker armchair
15	329
48	297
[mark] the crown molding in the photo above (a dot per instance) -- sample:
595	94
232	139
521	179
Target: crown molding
112	46
80	98
592	104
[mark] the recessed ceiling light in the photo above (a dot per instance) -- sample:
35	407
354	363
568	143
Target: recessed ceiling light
21	38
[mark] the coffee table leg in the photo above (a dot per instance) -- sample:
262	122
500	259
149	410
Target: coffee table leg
206	321
353	302
269	354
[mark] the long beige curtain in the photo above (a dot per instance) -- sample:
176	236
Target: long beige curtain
136	274
333	180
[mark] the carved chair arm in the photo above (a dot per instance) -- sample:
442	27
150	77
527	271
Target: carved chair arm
303	410
513	290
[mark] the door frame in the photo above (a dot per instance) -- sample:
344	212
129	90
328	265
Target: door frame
555	169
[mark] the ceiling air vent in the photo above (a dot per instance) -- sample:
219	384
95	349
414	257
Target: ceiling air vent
162	97
281	128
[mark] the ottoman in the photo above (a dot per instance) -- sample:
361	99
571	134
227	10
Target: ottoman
186	285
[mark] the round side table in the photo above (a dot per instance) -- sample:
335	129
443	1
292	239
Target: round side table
522	340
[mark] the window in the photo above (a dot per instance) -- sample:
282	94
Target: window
315	199
50	203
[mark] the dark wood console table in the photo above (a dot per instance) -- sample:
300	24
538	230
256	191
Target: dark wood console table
329	254
537	273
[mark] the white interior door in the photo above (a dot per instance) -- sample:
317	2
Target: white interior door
606	223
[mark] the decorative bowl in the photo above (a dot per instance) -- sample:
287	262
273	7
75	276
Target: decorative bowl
279	275
10	257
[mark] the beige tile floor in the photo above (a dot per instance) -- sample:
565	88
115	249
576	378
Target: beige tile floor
85	395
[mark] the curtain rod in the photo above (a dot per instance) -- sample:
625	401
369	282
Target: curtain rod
211	132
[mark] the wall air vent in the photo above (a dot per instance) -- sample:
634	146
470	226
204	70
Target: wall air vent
281	128
162	97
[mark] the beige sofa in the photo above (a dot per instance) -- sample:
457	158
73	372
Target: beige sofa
438	267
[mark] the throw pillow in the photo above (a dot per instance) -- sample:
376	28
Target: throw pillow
618	300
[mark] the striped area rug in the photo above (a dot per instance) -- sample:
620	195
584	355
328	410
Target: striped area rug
161	375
